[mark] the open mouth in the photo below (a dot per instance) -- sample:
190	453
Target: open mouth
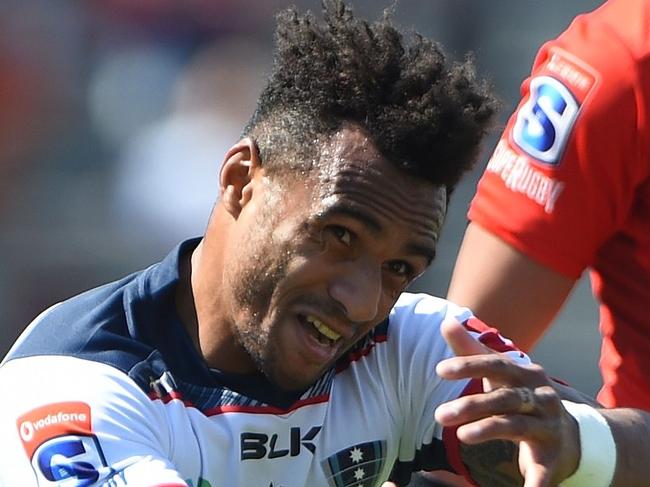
319	330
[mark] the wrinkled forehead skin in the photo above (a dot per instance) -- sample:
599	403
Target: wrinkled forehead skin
351	169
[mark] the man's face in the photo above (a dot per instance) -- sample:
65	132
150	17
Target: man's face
316	262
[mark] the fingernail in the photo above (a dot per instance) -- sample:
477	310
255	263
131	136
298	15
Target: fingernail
468	432
447	412
444	368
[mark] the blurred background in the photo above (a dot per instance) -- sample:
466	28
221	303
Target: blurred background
115	116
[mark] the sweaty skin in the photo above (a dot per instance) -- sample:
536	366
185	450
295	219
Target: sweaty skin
282	261
338	249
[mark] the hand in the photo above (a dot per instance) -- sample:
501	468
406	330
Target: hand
518	404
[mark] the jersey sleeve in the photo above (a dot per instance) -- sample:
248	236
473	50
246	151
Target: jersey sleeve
563	175
417	345
75	422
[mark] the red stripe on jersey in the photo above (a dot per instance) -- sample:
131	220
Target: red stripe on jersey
490	337
170	396
174	395
451	441
266	409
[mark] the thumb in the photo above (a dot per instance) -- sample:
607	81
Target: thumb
537	476
460	340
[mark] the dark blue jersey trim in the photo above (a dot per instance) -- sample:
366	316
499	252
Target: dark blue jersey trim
132	324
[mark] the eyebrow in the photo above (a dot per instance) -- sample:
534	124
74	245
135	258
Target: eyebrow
375	228
367	220
425	251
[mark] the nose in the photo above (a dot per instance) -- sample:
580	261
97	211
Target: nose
358	287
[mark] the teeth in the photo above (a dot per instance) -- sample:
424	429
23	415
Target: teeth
323	328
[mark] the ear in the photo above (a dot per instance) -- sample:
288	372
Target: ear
242	161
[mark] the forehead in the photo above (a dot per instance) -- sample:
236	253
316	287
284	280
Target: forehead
353	174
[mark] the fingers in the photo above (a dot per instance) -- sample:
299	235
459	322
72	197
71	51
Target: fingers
541	401
459	339
513	413
537	475
514	427
526	398
518	404
498	368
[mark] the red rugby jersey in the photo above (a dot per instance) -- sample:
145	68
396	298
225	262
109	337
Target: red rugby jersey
568	183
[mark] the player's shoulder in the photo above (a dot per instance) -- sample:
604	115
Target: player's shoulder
416	313
622	22
586	85
417	319
45	379
66	406
119	323
610	44
414	319
425	306
77	324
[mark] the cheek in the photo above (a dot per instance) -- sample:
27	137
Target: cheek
304	256
391	291
254	277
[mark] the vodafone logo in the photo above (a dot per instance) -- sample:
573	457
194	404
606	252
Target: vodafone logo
26	431
52	420
28	428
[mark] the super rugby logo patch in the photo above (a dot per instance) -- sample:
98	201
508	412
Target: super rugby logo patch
544	123
58	440
357	465
561	88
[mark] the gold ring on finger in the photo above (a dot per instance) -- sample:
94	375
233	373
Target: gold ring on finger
527	398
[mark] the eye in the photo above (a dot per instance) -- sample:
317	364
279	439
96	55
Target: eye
400	268
342	234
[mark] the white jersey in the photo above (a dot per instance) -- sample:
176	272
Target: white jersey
106	389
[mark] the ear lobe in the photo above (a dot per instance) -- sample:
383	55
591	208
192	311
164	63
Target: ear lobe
239	166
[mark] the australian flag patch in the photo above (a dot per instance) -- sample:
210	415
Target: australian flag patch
356	466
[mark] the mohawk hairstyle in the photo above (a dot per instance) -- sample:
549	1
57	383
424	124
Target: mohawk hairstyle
423	114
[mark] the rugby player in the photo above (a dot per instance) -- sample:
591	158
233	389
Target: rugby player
280	349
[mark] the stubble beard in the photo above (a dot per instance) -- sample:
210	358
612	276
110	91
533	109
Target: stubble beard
253	292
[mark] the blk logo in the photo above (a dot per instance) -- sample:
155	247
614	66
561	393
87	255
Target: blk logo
545	121
255	446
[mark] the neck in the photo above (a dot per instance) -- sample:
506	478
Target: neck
185	298
202	308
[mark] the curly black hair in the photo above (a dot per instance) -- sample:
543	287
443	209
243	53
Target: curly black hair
423	113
